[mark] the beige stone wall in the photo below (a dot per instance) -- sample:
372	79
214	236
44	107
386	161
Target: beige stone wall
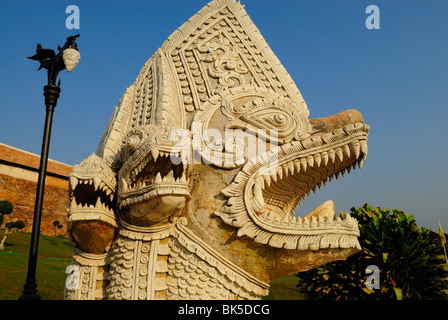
18	183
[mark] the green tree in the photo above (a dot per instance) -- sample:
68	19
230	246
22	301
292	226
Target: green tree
5	208
410	262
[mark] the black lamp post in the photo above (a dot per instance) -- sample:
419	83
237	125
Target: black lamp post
67	58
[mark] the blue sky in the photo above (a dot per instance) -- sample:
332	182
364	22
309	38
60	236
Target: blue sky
396	77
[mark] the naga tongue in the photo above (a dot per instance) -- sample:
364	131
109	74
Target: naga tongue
325	210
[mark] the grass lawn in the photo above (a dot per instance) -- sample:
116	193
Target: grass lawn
54	256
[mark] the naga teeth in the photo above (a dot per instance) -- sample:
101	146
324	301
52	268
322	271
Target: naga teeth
360	162
321	221
332	155
317	159
308	222
73	203
169	177
155	154
313	222
363	145
280	172
349	169
297	165
337	221
348	221
98	204
355	150
303	164
285	219
73	182
96	182
292	221
290	166
346	150
324	157
267	179
356	146
339	154
310	160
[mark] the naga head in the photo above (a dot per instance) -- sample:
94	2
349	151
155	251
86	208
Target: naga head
152	178
92	185
215	132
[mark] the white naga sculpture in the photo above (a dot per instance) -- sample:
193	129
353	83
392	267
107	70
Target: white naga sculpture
191	190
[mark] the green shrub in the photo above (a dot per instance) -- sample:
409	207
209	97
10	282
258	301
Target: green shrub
5	208
12	226
19	224
411	262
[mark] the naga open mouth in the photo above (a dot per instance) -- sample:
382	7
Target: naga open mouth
92	191
277	194
155	173
277	183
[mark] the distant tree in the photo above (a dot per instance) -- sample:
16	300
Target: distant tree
409	259
5	208
57	225
10	228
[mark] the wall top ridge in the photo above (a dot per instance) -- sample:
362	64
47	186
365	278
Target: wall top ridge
30	160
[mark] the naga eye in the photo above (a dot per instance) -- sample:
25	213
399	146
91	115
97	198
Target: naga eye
130	144
279	118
